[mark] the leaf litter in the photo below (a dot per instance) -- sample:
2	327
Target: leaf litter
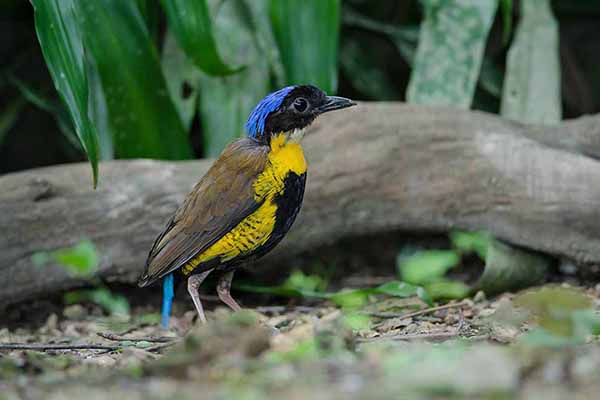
388	348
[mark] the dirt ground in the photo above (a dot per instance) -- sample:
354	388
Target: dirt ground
390	348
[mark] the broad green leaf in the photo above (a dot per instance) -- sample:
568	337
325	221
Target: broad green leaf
507	11
427	266
350	298
143	119
265	40
183	79
511	268
450	51
80	260
447	289
398	289
302	282
225	102
98	112
191	24
307	34
531	94
532	81
406	39
115	304
424	296
56	24
356	321
150	11
469	242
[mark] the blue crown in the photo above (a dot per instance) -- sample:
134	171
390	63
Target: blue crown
258	117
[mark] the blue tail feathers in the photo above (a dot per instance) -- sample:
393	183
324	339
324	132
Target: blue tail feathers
168	294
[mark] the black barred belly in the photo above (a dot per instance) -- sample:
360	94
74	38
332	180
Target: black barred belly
288	206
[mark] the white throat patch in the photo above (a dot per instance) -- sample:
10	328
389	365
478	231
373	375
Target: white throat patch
296	135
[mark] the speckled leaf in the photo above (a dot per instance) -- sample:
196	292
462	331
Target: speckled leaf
531	94
450	51
143	119
307	34
225	102
190	22
56	24
265	39
532	82
182	79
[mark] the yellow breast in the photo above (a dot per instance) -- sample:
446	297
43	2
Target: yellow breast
254	231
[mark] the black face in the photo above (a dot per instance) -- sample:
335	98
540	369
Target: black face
300	108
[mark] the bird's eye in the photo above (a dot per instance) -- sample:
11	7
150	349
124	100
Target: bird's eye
300	104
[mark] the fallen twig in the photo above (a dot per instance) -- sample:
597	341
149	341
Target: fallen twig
417	336
281	309
161	346
45	347
415	313
118	338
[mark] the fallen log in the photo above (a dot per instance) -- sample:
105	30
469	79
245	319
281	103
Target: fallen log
380	167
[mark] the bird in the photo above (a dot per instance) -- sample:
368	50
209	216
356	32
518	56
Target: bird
245	203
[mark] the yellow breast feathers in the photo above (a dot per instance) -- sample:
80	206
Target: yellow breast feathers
286	156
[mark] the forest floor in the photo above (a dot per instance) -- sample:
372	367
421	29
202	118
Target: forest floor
390	348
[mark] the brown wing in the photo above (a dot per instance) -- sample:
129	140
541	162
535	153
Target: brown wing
222	198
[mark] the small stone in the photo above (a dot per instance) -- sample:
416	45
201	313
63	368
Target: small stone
479	296
74	311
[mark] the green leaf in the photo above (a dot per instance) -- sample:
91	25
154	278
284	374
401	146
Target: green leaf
143	119
397	289
312	283
265	39
450	51
56	24
99	113
356	322
80	260
510	268
447	290
424	296
115	304
532	82
469	242
191	24
307	34
427	266
531	94
350	299
507	11
226	102
182	78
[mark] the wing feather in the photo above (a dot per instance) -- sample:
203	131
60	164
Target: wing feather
220	201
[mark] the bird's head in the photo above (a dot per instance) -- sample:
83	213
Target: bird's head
290	110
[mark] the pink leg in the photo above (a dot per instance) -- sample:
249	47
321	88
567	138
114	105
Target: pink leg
193	284
223	288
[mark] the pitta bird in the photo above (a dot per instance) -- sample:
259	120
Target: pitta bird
246	202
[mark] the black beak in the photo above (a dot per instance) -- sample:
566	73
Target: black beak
335	103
